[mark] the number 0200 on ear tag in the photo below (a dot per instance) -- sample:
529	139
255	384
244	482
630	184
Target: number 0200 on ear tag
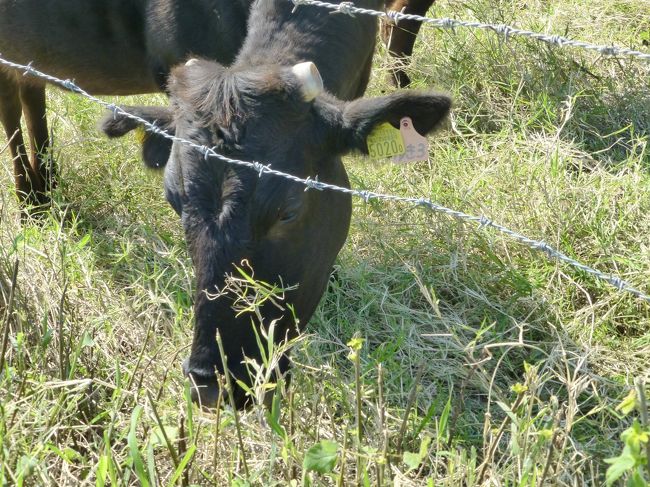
385	141
416	147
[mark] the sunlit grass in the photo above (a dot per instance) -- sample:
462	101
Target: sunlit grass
482	360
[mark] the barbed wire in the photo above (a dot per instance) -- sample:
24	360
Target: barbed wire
209	152
349	8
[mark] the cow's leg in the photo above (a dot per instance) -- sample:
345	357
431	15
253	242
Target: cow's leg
400	37
10	114
32	97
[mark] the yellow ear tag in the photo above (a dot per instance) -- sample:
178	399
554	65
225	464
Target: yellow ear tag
385	141
141	134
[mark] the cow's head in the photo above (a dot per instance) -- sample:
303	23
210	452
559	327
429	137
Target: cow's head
280	116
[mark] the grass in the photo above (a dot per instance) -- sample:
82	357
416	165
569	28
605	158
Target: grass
473	360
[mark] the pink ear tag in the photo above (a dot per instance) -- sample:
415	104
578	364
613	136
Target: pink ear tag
416	146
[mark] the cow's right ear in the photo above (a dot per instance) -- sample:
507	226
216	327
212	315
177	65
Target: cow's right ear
360	117
155	147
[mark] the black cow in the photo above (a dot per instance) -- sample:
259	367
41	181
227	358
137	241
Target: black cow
116	47
270	106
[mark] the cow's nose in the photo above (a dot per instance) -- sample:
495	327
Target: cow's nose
204	390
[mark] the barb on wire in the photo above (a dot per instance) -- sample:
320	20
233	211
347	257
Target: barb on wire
209	152
505	30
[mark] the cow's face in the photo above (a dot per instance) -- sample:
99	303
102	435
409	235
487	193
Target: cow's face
290	237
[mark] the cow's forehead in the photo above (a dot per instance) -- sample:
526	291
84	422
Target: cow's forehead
224	95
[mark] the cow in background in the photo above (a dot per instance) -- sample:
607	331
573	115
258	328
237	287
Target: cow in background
399	36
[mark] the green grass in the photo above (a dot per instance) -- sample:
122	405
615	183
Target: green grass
487	362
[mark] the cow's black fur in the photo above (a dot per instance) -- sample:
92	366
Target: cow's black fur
254	110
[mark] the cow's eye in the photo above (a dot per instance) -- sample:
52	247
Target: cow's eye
288	216
291	210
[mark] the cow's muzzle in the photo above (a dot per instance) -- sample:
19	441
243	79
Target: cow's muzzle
204	389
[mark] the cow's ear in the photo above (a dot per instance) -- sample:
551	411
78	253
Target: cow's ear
360	117
155	147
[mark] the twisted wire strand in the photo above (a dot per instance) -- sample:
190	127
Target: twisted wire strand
209	152
349	8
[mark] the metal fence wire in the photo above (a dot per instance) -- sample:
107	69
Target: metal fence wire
506	31
481	221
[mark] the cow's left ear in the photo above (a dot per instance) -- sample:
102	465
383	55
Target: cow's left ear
155	147
360	117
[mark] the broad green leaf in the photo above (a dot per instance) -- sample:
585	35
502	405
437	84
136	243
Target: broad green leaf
424	446
636	480
444	417
245	387
157	438
273	416
134	450
67	454
102	471
321	457
366	478
84	241
619	465
87	340
628	404
412	460
181	466
47	337
427	418
634	436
